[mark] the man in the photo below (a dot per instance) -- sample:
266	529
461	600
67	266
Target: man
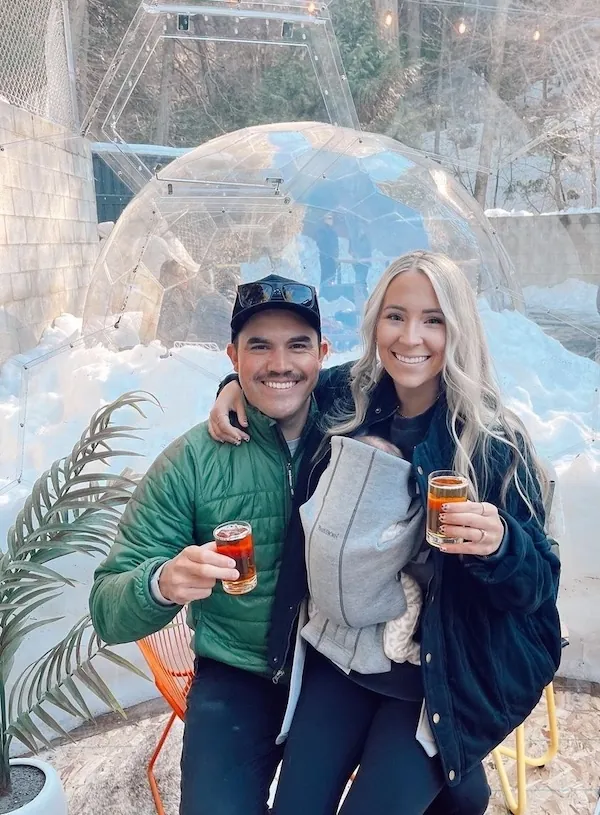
328	246
360	249
164	556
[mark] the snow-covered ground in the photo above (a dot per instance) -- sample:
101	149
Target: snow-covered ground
554	391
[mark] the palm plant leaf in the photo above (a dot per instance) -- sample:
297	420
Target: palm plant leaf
18	571
73	508
17	732
10	645
71	687
57	679
19	618
51	722
59	699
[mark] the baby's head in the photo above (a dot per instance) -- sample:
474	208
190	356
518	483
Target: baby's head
381	444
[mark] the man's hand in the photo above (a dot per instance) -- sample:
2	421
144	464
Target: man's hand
192	574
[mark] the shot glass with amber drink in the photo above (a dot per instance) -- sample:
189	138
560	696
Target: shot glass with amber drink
443	487
234	539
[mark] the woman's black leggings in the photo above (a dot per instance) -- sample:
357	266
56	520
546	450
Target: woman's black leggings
339	725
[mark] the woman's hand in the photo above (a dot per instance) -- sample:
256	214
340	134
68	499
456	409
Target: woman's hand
219	426
478	524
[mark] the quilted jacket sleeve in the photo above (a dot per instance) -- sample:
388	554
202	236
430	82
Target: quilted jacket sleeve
526	575
157	524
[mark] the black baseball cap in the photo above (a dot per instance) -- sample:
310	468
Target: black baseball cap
275	292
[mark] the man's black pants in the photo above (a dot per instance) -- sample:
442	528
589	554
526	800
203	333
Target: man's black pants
229	756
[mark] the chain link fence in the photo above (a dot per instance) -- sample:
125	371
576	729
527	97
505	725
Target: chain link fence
35	60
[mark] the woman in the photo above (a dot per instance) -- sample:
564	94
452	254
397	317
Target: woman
489	632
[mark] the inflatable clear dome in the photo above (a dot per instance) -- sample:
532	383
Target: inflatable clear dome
326	205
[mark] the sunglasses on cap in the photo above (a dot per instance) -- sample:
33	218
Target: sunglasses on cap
253	294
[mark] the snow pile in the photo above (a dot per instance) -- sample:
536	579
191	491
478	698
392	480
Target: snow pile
554	391
73	380
497	212
504	213
570	295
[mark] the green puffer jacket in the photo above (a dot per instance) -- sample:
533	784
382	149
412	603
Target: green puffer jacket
193	486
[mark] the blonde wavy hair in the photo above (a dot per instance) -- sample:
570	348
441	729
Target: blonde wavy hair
477	417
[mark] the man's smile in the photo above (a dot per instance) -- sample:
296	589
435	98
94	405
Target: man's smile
280	385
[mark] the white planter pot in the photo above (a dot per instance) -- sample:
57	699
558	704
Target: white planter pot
52	799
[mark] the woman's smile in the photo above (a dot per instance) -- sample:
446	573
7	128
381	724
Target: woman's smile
410	360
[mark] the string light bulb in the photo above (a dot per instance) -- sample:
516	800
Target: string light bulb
312	7
389	19
462	27
536	35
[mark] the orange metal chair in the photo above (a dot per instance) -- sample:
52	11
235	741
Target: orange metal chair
171	661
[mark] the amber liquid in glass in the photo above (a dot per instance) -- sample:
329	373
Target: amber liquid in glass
443	488
234	539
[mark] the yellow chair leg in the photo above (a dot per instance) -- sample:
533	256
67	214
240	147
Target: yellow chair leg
552	750
519	806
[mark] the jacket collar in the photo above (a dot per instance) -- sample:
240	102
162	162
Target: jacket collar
262	426
383	401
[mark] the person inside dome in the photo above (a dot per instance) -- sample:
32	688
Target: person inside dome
328	245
